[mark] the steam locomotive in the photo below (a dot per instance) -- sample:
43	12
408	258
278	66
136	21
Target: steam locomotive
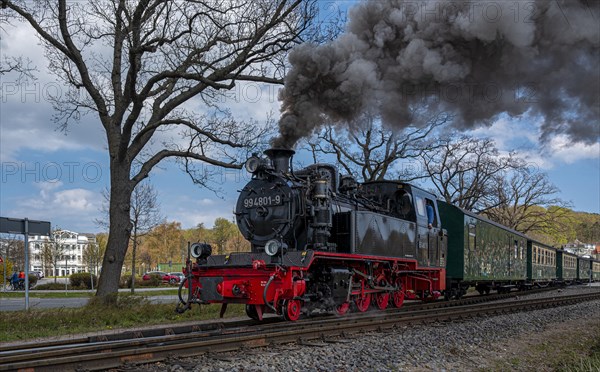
324	242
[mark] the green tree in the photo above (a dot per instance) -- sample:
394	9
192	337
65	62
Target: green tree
163	243
223	231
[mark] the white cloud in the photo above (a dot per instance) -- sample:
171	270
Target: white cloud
76	201
561	149
523	136
73	209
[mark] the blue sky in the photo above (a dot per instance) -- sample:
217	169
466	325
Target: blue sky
51	175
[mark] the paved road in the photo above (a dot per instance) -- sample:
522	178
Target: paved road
16	304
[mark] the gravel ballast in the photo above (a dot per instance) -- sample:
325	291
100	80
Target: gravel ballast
466	345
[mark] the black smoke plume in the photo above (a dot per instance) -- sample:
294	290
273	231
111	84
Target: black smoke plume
475	59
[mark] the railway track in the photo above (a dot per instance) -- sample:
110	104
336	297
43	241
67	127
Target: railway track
220	326
93	354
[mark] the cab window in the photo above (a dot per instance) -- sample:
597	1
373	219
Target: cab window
420	204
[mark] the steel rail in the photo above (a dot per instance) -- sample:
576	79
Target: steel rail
160	348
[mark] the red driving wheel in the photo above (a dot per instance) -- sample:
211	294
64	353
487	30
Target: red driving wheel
292	310
363	303
382	300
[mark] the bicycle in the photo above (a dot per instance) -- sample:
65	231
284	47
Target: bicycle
19	285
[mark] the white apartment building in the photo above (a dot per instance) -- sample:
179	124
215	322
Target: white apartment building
580	248
67	247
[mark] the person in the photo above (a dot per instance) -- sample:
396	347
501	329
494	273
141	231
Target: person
430	215
21	279
14	279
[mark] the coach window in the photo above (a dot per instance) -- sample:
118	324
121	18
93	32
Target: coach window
544	257
521	249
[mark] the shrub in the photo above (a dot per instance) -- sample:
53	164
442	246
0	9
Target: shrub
9	271
83	280
33	279
155	280
125	281
53	287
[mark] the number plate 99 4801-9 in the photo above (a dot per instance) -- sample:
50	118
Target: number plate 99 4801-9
263	201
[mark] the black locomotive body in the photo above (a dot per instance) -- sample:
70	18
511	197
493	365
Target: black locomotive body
323	241
316	209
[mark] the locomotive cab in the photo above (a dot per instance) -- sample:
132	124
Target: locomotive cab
416	220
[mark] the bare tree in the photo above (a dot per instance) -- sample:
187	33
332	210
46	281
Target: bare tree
369	151
137	64
46	256
14	250
92	255
145	215
466	170
58	250
527	201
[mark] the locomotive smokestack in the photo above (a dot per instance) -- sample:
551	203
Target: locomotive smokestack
280	158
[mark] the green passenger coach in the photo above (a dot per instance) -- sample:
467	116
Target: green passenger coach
584	269
481	253
541	264
596	270
566	266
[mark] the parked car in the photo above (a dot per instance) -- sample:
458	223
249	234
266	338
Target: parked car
39	274
166	277
179	276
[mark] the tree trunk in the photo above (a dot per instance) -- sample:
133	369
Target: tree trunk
119	231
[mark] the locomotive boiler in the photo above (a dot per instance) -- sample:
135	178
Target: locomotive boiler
321	241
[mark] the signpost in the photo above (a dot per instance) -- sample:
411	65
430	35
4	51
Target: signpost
25	227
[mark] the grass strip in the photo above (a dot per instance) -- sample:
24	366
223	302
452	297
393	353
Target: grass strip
129	311
70	294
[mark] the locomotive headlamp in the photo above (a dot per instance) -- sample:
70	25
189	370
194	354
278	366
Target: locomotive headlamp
201	250
273	247
252	164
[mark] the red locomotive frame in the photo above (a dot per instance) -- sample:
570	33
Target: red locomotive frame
267	287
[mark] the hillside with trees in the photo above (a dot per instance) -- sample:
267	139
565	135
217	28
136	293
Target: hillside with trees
571	226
